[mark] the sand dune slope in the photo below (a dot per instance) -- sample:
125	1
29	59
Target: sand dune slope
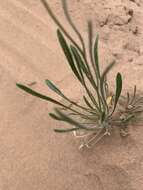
32	156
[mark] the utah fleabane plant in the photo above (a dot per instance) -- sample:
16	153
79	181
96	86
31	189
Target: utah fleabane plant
99	111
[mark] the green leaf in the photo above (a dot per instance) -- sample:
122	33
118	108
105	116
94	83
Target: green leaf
54	116
96	59
84	68
78	62
128	98
71	121
118	90
102	83
79	58
54	88
34	93
65	130
68	54
105	72
87	102
103	117
91	96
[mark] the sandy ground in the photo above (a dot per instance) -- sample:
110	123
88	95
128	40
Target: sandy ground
32	156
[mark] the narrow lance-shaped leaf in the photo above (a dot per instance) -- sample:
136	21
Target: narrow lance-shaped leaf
102	117
87	102
54	116
71	121
118	90
81	61
83	67
68	54
96	82
90	39
78	63
52	15
105	72
34	93
102	83
96	59
66	130
54	88
128	99
91	96
69	19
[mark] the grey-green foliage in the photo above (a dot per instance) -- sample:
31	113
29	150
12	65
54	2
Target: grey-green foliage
96	105
96	110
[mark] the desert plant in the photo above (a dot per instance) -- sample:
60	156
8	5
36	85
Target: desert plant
94	119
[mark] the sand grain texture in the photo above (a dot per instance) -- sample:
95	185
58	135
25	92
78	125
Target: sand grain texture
32	156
